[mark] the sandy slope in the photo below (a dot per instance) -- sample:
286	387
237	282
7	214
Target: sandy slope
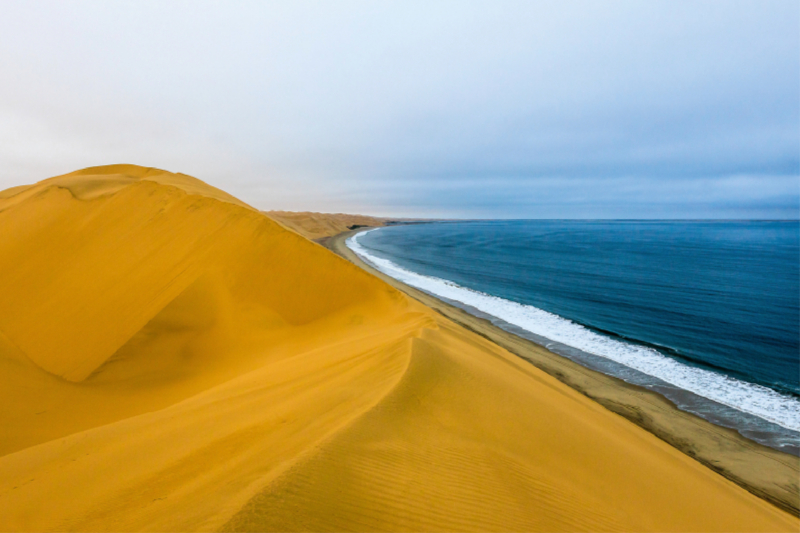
171	359
319	225
768	473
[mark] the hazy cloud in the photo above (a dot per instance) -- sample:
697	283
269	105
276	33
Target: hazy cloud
475	109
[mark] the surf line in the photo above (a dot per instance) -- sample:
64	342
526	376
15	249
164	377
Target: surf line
750	398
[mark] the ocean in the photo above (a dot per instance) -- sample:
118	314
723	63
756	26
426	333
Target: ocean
706	313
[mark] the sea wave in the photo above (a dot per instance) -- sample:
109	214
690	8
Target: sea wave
751	398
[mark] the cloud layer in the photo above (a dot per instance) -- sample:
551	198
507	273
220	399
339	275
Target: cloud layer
472	109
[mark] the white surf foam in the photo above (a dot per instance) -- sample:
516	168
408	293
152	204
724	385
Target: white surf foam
747	397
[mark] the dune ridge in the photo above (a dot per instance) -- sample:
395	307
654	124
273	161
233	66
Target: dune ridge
171	359
316	226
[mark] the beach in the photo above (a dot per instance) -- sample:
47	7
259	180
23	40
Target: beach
766	472
172	359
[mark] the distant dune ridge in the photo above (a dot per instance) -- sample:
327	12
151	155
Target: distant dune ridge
172	359
320	225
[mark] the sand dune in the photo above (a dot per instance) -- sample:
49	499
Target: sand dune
172	359
319	225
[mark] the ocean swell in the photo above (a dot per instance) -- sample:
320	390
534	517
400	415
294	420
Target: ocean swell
751	398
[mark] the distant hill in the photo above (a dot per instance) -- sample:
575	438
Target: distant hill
319	225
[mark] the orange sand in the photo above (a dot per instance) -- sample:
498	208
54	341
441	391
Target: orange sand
173	360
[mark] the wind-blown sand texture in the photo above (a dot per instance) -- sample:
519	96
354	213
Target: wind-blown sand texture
319	225
174	360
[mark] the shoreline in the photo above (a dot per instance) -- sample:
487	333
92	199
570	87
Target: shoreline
762	425
769	474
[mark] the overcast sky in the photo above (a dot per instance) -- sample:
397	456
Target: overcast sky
493	109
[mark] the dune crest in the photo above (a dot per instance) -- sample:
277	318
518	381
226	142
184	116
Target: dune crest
172	359
153	237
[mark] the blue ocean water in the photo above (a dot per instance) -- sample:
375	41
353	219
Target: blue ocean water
710	307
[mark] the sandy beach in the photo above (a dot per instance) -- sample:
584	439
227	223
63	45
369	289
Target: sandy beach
172	359
766	472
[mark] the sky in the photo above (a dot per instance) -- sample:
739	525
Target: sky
445	109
